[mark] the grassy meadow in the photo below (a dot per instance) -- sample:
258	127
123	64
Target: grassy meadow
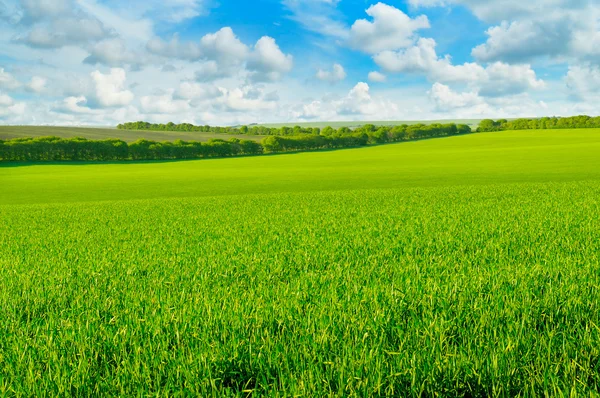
463	266
103	133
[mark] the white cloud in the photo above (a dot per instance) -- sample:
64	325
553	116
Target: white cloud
5	100
223	54
211	70
267	62
224	46
497	11
502	79
110	90
336	74
130	25
359	103
165	104
247	99
178	10
58	23
193	90
377	77
526	30
115	53
583	82
7	81
521	41
10	108
423	59
165	11
494	80
68	31
391	29
175	49
37	84
41	9
445	99
318	16
74	105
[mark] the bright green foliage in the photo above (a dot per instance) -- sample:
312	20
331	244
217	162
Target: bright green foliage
375	134
575	122
61	149
470	267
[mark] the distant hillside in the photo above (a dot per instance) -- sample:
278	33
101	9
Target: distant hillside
9	132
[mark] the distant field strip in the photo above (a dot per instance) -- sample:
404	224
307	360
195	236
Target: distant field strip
457	267
10	132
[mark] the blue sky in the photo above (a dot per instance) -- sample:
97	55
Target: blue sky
224	62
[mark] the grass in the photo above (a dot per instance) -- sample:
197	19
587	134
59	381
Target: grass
98	133
465	266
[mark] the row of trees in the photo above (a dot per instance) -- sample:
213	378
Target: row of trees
61	149
243	130
404	131
574	122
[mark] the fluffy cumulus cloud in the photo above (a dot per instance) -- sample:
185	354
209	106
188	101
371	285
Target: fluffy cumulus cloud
164	104
267	61
115	53
8	81
37	84
445	99
358	103
390	29
75	105
526	30
105	62
583	82
191	90
336	74
247	98
110	88
175	49
469	104
9	107
55	24
222	54
495	79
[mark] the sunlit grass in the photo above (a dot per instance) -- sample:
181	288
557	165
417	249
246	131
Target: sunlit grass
478	277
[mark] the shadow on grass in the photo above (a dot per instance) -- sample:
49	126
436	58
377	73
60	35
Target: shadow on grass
98	162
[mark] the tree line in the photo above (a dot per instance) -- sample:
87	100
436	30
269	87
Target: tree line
574	122
81	149
61	149
369	129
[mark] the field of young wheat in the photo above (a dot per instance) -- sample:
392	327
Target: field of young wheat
467	266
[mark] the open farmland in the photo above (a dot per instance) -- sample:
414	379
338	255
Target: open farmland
463	266
103	133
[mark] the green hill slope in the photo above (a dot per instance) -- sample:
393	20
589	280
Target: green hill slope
457	267
524	156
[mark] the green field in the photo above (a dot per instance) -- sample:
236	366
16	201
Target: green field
103	133
463	266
